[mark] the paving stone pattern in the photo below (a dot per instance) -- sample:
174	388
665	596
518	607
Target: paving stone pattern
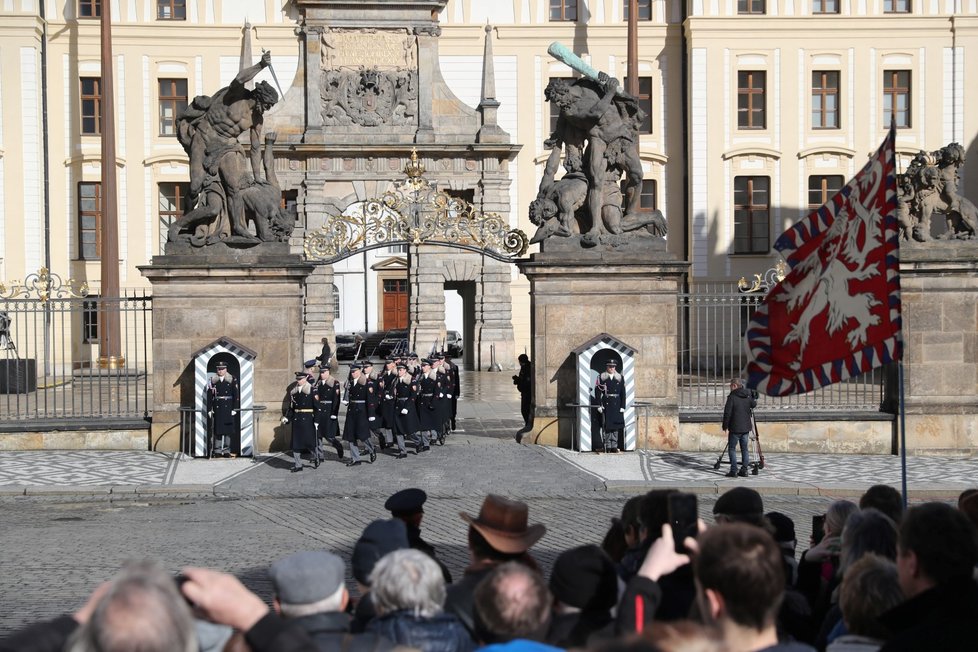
55	552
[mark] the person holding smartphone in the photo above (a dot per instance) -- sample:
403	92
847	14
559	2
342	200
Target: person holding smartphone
737	425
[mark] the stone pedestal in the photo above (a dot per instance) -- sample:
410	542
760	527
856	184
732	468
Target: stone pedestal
576	296
940	327
197	299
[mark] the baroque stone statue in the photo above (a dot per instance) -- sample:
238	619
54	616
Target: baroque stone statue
929	186
597	134
227	188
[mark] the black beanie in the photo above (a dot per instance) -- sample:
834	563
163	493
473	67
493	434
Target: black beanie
585	578
378	539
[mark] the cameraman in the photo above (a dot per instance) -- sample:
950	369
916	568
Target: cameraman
737	425
524	383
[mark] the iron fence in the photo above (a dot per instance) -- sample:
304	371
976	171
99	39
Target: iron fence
713	320
50	371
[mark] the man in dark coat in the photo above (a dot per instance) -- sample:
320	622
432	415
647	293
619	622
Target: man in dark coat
609	390
500	533
222	408
737	425
302	415
310	592
357	426
408	506
936	557
524	384
326	395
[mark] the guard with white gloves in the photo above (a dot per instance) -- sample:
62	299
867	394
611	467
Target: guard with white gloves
609	391
356	429
222	404
302	415
406	417
326	400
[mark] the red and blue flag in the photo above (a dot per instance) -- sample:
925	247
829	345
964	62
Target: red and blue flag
836	314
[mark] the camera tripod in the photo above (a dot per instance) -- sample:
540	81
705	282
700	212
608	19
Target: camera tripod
754	448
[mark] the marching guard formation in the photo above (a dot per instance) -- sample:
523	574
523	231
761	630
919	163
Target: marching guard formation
411	402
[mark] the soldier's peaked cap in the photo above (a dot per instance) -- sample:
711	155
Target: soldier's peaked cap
426	361
222	365
310	363
367	363
356	367
401	365
406	501
611	363
412	354
300	374
390	361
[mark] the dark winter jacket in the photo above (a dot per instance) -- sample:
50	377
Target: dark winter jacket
943	618
736	412
331	632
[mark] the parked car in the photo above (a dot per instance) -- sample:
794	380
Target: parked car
394	343
346	345
453	343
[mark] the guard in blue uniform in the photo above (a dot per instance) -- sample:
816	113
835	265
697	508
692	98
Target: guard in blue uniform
326	396
374	396
452	370
356	429
387	410
609	391
222	408
405	409
302	415
429	414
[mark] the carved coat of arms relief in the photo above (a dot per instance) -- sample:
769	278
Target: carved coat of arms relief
369	77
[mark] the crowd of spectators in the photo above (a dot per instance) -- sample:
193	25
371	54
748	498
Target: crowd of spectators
877	578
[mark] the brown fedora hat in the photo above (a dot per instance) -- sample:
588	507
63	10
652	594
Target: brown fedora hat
503	523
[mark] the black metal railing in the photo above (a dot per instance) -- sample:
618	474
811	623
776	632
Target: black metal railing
52	366
713	321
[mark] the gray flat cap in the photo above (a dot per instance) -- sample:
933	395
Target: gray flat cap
307	577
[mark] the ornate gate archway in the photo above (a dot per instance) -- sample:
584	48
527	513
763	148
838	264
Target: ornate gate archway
429	223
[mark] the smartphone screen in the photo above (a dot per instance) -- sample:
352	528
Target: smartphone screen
818	528
682	518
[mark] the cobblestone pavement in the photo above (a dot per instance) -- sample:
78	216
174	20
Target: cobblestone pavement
69	519
55	551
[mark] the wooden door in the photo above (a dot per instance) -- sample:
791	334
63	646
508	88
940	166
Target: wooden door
395	303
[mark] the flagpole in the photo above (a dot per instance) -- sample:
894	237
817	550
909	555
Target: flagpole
903	440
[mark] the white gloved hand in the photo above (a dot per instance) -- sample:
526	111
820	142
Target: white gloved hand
404	411
345	402
233	412
448	395
441	396
285	420
600	409
210	413
387	396
371	418
622	410
332	416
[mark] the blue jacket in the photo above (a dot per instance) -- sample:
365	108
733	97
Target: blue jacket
441	633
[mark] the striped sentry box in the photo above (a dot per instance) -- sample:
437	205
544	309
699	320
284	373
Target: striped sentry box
246	364
585	384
